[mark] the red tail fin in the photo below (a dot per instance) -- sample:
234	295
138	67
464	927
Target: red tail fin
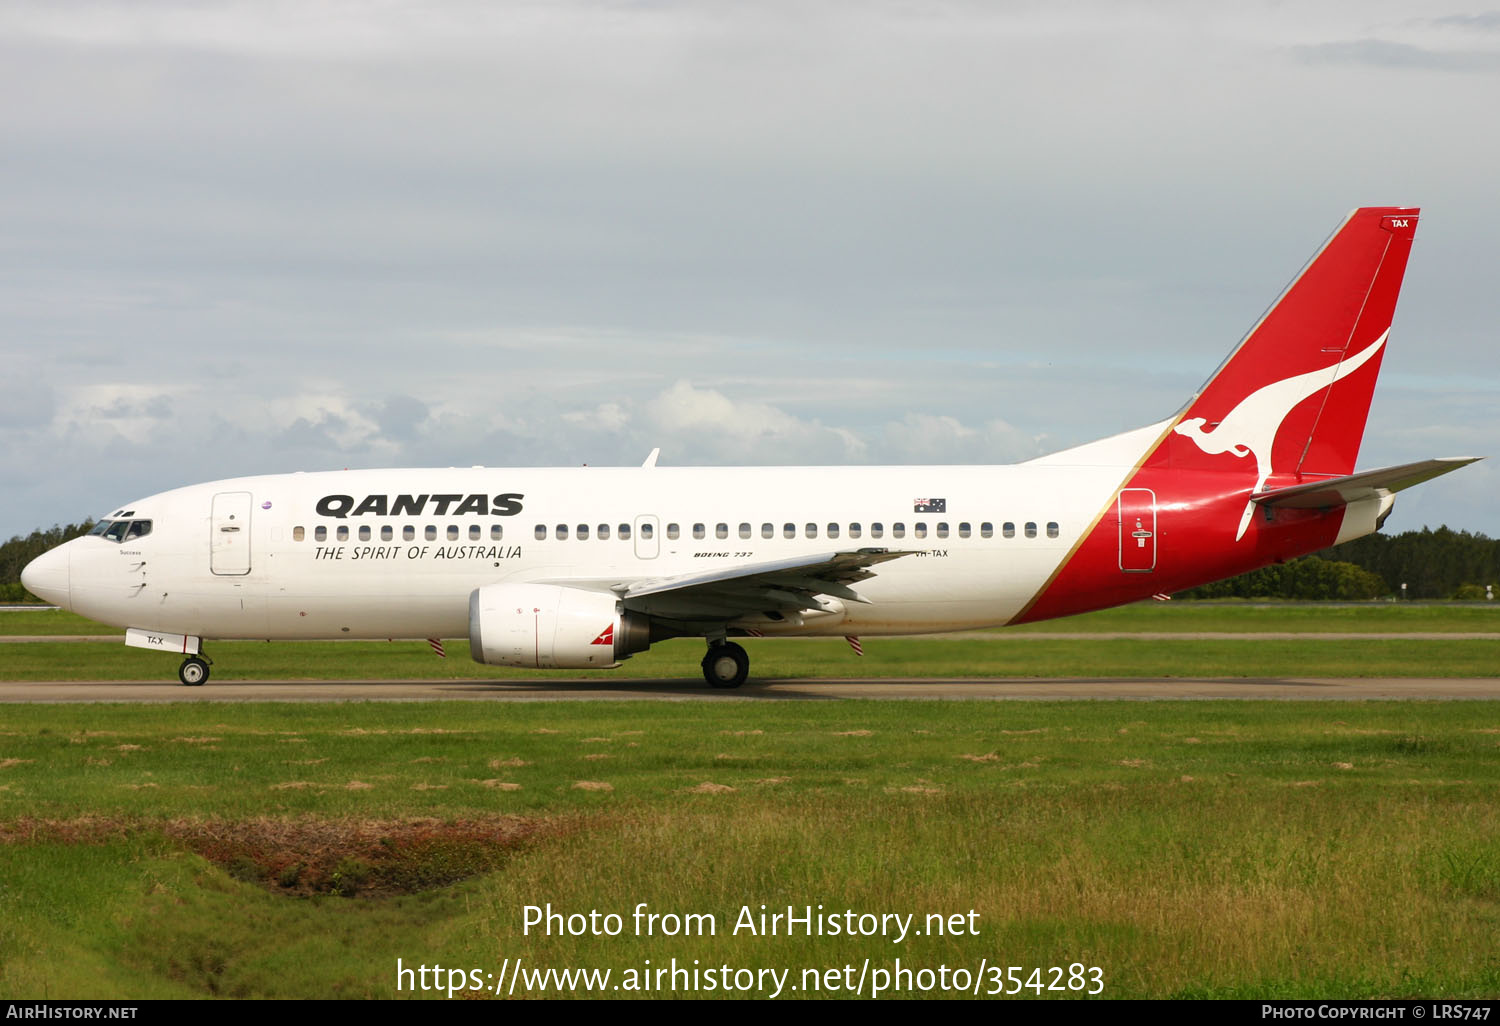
1295	393
1288	407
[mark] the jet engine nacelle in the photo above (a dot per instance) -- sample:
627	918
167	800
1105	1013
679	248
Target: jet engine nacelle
552	627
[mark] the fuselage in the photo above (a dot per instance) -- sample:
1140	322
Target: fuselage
396	553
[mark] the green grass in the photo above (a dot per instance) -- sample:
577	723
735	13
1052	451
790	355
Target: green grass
49	621
992	656
1214	849
1373	617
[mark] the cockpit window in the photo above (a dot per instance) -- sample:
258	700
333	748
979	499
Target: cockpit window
122	530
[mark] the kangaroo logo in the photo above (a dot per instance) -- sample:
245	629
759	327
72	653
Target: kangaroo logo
1251	427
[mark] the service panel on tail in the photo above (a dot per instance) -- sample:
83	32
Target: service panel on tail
582	567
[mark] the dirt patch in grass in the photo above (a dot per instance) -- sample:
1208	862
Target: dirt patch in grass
311	855
357	856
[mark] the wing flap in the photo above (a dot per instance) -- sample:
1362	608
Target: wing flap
1341	491
799	573
788	586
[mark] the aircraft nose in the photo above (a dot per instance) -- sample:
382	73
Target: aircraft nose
47	576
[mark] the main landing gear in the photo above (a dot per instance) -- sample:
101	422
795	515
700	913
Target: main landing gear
193	671
726	665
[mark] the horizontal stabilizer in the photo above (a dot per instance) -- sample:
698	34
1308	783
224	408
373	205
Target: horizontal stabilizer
1341	491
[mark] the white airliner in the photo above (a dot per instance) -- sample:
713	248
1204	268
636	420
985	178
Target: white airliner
581	567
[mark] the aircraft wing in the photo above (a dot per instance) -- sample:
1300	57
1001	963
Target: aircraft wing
783	585
1340	491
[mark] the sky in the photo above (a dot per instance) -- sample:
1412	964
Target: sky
258	237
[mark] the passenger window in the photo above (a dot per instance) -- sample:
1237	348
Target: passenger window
768	530
647	531
698	531
833	530
496	532
603	532
986	530
387	533
408	533
672	532
963	530
364	532
877	530
453	532
1009	530
919	530
1052	529
721	531
898	530
942	530
562	532
1030	529
811	530
623	533
789	530
320	533
541	532
298	534
744	530
854	530
582	532
430	532
343	532
474	532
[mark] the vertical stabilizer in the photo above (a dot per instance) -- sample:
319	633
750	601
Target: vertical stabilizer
1292	399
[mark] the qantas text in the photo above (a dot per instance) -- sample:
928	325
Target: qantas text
506	504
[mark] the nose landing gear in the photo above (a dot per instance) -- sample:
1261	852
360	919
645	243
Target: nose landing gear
193	671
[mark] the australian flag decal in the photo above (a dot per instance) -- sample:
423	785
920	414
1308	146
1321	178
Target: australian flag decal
929	506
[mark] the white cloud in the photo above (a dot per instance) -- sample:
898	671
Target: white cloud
928	438
706	421
610	417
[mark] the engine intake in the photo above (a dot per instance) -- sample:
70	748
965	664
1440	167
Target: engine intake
552	627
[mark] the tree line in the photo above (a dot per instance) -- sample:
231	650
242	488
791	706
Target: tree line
16	553
1433	564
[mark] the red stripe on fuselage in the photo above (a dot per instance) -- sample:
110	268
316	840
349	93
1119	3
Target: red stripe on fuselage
1197	515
